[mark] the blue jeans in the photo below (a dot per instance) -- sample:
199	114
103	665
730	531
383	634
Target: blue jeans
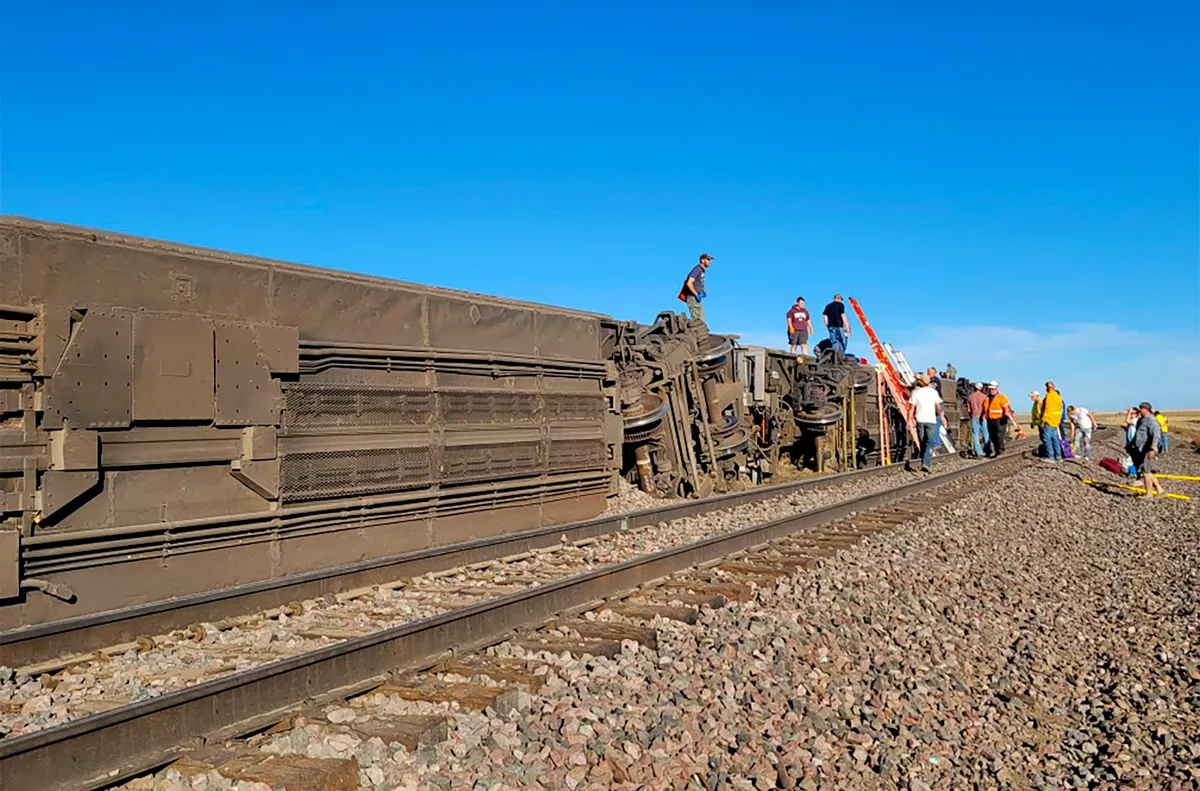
837	337
927	435
979	435
1052	441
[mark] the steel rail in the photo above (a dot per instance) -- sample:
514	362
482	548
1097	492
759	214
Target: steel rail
27	645
67	637
105	748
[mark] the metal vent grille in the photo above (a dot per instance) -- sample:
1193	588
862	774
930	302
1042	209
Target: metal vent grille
337	473
488	462
332	406
573	406
488	406
576	454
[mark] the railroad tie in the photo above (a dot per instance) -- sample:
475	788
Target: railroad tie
607	630
472	696
509	672
411	730
756	569
732	591
291	772
699	600
648	612
577	647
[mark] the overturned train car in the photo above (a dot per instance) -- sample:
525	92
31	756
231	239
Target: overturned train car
175	420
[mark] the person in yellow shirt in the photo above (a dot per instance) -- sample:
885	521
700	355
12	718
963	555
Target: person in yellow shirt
1162	422
1050	419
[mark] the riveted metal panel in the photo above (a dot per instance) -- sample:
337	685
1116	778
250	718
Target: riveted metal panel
93	386
172	369
281	347
246	393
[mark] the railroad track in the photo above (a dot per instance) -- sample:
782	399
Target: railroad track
103	748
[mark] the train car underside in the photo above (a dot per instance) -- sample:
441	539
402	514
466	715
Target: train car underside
175	420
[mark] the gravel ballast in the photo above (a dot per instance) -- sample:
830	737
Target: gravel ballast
179	660
1039	634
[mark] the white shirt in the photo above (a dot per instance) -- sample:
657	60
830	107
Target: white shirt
926	400
1082	418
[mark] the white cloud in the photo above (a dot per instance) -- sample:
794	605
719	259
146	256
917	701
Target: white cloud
1103	366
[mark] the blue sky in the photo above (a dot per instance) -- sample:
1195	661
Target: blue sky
1012	188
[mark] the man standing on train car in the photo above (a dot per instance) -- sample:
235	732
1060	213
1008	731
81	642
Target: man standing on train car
799	326
837	323
693	288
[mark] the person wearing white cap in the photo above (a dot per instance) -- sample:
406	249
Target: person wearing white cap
998	412
979	434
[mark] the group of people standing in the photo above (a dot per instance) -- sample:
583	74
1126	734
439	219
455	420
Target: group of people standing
799	320
800	326
992	418
1052	417
990	411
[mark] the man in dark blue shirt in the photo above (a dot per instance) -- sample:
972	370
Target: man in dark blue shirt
693	288
837	323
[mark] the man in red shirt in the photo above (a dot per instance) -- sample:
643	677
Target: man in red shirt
799	326
976	402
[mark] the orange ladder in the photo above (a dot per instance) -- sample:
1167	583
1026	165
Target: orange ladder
890	376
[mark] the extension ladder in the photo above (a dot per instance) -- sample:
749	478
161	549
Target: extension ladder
906	371
902	373
892	379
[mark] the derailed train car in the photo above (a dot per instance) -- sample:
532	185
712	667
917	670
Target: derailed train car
175	420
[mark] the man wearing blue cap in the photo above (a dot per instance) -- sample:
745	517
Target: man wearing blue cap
693	288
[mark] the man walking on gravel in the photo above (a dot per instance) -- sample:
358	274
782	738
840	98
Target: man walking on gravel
1146	437
1050	419
693	288
975	407
998	412
926	406
1082	424
799	323
837	323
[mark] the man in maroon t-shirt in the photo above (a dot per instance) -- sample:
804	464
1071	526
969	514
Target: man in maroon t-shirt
976	403
799	326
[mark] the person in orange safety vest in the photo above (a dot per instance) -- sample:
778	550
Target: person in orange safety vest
998	412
